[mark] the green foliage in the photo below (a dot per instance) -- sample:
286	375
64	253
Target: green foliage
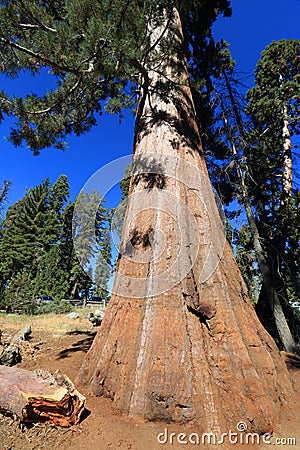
86	232
36	247
247	262
22	243
103	268
277	87
50	275
95	52
125	182
18	295
246	160
92	241
274	104
3	193
277	83
48	308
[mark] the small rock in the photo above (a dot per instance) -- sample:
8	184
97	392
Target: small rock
99	313
95	321
10	356
73	315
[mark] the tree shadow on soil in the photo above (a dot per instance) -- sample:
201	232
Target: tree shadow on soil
80	346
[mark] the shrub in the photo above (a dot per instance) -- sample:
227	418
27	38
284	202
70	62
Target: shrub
53	307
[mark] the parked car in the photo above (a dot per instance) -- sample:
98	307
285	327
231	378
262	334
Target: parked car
43	299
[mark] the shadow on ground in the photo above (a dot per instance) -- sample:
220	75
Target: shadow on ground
80	346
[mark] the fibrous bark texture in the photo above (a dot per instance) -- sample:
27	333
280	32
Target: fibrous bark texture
39	397
180	340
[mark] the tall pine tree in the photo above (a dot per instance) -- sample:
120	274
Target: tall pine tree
274	109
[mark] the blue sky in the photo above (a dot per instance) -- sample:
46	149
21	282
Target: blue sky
253	25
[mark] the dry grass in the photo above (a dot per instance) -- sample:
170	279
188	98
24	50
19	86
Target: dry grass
57	324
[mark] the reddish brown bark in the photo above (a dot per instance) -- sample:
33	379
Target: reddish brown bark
39	397
180	340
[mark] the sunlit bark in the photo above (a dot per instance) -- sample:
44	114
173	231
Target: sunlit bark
180	340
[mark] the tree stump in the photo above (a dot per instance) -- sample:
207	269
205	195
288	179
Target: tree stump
39	396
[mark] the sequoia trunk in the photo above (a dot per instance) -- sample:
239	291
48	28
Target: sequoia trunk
180	340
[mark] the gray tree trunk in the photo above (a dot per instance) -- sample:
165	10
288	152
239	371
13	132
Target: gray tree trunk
270	293
287	176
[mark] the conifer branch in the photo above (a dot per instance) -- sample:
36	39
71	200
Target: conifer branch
38	21
68	93
39	57
28	26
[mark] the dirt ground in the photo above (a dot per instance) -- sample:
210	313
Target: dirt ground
61	343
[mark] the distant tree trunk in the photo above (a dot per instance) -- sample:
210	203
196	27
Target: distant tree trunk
270	294
74	290
283	308
180	340
269	301
287	176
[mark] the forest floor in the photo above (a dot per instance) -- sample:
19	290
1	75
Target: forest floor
62	345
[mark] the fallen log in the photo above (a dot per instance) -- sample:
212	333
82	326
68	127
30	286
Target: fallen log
39	396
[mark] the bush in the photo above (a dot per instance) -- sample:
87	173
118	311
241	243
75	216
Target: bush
53	307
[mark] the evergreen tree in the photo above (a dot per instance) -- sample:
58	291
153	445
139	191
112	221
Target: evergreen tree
274	109
91	238
103	270
19	294
170	356
3	195
31	237
69	263
96	52
118	213
247	261
235	181
3	192
22	244
58	195
85	233
51	278
125	182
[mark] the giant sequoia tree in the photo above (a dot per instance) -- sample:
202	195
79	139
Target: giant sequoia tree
180	340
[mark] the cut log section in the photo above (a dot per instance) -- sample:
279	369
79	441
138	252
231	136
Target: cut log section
39	396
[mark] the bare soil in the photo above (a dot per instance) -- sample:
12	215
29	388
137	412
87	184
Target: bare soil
61	343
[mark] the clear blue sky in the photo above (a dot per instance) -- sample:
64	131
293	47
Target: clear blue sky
253	25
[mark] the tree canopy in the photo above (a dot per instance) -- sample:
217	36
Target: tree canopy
96	52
